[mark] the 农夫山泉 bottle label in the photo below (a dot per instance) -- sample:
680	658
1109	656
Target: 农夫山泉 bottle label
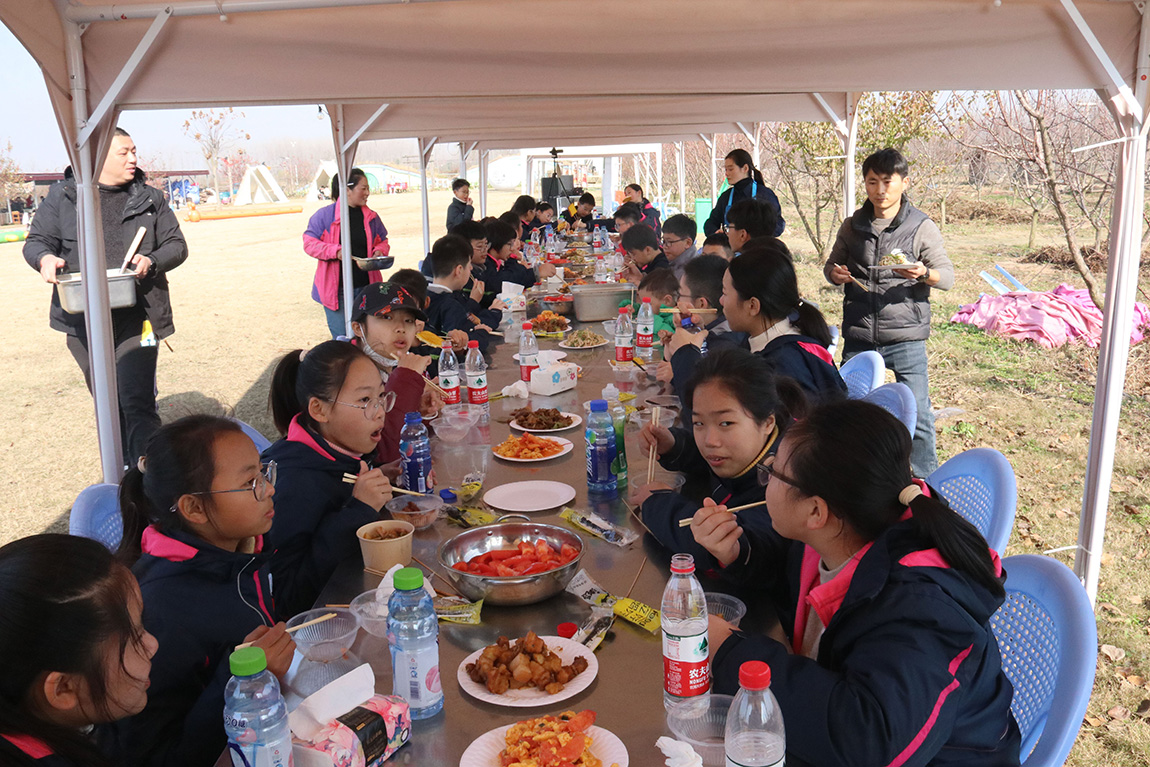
477	389
686	672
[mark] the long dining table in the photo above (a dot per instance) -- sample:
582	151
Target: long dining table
627	692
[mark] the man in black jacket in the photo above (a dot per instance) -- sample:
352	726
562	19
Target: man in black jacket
127	204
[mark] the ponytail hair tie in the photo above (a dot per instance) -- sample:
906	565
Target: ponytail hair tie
302	354
909	493
141	464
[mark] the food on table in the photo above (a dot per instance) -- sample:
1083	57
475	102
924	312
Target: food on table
894	258
528	662
528	447
527	559
429	338
584	337
543	418
550	741
379	534
411	508
567	297
549	322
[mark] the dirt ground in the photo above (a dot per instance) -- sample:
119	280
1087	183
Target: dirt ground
243	299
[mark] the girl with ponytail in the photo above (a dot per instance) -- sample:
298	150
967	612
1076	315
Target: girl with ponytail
746	183
77	653
888	598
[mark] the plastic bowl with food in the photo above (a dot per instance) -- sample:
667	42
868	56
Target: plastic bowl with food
420	510
328	640
703	724
455	421
729	608
370	608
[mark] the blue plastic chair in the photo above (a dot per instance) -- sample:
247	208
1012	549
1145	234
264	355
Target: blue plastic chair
262	442
96	515
980	485
863	373
898	400
1049	643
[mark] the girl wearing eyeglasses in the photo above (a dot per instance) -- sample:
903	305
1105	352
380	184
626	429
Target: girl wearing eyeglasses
196	509
738	410
885	595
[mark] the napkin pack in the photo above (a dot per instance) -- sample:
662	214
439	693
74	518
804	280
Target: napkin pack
345	724
511	298
554	378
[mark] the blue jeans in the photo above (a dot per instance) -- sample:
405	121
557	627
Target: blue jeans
908	361
335	318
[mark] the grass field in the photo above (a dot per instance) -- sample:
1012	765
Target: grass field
242	300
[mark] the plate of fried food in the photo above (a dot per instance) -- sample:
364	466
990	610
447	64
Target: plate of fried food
543	420
549	323
530	448
548	741
583	339
530	671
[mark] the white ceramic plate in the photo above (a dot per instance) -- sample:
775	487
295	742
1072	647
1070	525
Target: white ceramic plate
566	649
575	421
564	345
566	444
889	267
532	495
552	356
484	750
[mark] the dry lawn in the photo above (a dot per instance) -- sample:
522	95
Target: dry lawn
242	299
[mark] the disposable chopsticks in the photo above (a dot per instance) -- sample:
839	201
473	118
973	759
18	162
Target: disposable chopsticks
294	629
651	451
351	479
687	521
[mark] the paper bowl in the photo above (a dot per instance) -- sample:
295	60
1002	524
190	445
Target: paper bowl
386	554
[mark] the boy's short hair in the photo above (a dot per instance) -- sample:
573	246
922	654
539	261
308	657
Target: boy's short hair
523	205
459	183
721	240
499	233
681	225
587	199
629	211
543	207
470	230
639	237
704	278
756	218
660	282
886	162
447	253
412	281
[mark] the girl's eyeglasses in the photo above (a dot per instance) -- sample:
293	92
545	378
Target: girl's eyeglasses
371	409
259	486
767	469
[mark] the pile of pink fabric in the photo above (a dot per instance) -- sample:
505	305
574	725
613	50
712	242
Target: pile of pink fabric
1048	319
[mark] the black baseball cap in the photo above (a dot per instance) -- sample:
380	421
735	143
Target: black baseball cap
380	299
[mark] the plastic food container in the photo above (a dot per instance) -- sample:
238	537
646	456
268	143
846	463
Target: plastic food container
370	608
729	608
704	727
326	641
74	300
595	303
421	519
455	421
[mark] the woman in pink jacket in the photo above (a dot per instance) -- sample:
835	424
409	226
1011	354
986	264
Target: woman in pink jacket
321	240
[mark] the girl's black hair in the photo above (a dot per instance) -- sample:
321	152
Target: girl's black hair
523	205
321	375
413	281
636	187
587	199
63	599
499	233
178	461
766	273
352	179
741	157
543	206
750	380
869	450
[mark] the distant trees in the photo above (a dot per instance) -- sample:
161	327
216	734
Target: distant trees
217	133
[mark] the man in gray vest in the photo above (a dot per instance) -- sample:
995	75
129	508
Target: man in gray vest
887	309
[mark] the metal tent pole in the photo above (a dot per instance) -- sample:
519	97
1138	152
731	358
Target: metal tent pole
344	157
425	147
680	166
484	160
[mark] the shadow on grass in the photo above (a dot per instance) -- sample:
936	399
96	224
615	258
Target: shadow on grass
252	407
59	524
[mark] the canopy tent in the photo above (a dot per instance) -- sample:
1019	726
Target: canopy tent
136	55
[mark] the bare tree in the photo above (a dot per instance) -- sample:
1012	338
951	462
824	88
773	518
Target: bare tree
217	132
11	177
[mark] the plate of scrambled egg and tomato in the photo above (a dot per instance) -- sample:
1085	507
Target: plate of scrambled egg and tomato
548	741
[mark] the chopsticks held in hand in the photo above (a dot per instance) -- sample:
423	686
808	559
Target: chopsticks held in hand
294	629
687	521
651	451
351	478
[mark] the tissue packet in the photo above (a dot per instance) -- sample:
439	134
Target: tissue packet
553	379
365	736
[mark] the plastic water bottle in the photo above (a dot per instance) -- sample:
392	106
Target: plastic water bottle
476	370
255	716
413	634
624	337
597	238
683	615
619	421
601	275
755	735
645	330
528	353
449	374
415	454
601	450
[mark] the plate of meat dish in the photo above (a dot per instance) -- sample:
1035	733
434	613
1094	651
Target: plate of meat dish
531	671
544	420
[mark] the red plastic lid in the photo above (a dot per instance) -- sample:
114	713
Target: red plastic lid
646	300
446	343
472	344
622	310
754	675
527	326
566	630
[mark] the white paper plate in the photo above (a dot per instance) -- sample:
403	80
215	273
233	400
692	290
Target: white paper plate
564	345
888	267
553	356
575	421
532	495
567	649
484	750
567	448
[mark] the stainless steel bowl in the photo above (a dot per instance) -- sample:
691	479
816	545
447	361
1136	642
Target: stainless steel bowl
525	590
578	237
559	307
375	264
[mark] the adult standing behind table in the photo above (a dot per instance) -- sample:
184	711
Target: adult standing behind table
127	204
321	241
892	315
746	184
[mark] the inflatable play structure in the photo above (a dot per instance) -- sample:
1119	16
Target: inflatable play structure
18	234
382	179
258	186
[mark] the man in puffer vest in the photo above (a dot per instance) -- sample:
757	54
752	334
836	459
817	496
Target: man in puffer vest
886	308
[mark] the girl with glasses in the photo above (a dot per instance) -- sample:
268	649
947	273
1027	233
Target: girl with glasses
885	595
197	508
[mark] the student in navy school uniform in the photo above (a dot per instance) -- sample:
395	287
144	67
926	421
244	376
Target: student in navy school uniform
77	652
746	184
583	218
447	313
461	208
643	253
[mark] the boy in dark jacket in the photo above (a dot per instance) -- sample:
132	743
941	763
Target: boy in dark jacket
460	209
446	312
642	248
583	218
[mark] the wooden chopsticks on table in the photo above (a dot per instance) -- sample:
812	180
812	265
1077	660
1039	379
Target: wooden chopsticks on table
294	629
693	311
687	521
